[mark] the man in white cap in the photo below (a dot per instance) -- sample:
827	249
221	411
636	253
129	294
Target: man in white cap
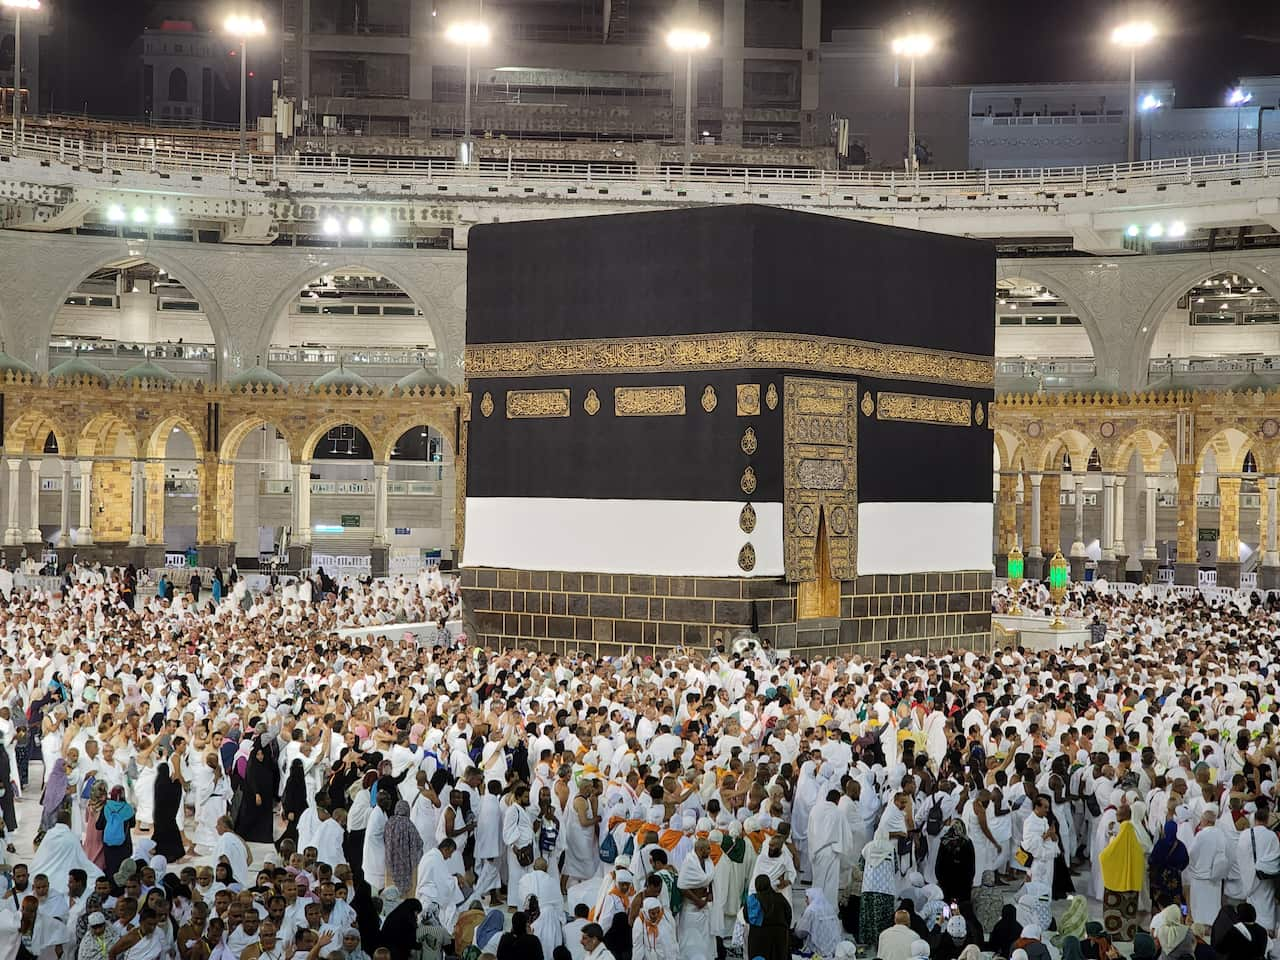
614	898
653	937
98	938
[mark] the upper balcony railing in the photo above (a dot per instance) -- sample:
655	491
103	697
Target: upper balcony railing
198	361
1243	166
1058	374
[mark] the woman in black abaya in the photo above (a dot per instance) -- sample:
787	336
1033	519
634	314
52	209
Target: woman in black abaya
956	863
768	922
399	932
168	798
254	825
294	802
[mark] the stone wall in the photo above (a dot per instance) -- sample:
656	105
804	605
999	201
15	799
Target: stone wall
612	614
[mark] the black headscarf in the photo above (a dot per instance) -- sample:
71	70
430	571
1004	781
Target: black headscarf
1006	931
399	932
295	790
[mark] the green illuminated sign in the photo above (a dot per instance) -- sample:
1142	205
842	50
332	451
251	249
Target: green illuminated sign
1058	576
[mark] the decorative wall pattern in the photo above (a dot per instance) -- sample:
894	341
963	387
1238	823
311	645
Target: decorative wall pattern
115	424
727	351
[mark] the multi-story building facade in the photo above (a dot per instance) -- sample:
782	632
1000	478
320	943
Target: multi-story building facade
557	70
35	27
182	73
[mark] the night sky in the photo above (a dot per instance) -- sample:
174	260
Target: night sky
1205	44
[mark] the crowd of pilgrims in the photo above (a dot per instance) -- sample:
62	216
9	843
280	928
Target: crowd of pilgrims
240	779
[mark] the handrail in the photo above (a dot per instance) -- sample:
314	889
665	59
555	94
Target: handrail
285	168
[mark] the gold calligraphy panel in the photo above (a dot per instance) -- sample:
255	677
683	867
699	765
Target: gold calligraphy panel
820	479
945	411
648	401
531	404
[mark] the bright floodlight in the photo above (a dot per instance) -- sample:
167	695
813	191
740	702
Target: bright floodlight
1149	103
1238	97
913	45
1136	34
1155	230
1133	230
1177	229
687	41
140	215
115	213
468	33
21	4
355	226
379	226
241	25
331	226
164	217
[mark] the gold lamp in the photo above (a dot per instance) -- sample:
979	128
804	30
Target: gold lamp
1059	580
1015	571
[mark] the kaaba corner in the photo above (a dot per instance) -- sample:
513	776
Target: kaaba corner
685	424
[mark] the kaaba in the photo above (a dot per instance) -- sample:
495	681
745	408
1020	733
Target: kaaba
688	424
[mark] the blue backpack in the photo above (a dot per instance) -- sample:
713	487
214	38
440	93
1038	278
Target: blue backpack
608	849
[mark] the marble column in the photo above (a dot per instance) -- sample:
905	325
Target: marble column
33	532
1269	575
1078	555
1228	531
1121	547
1034	561
1186	569
380	504
85	533
1033	547
302	517
1077	545
1150	557
380	551
64	506
1108	539
13	532
138	488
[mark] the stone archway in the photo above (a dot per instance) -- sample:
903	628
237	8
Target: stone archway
1007	270
448	346
173	266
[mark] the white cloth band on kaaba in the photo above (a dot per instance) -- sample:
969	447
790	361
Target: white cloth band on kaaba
924	537
693	538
